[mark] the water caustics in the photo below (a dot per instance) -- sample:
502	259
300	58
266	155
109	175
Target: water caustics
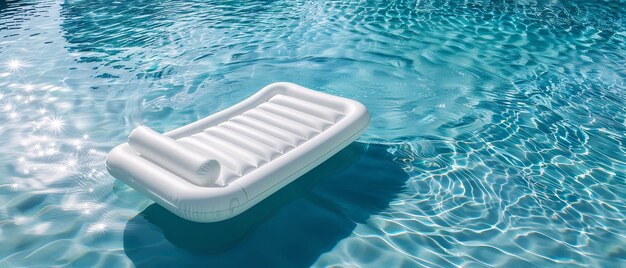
497	136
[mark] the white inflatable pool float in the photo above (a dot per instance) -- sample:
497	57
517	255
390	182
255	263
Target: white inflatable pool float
217	167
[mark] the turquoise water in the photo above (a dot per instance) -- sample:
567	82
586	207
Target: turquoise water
498	133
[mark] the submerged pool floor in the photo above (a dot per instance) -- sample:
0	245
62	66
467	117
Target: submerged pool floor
498	134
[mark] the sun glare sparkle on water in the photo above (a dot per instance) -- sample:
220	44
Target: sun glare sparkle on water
14	64
28	87
56	124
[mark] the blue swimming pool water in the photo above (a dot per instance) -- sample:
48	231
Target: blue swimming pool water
498	133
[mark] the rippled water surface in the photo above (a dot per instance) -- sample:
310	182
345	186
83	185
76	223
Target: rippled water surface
498	133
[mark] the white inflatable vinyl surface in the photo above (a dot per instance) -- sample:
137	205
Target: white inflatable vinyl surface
217	167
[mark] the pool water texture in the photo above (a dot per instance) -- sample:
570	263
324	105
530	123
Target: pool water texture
498	134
